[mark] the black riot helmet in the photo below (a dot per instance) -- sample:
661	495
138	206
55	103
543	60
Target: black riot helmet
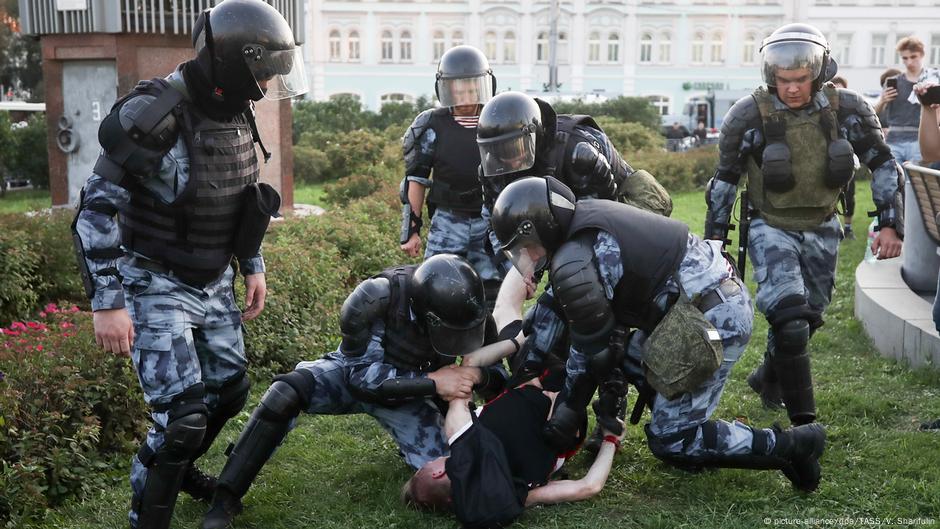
464	77
795	46
509	133
243	43
531	219
447	297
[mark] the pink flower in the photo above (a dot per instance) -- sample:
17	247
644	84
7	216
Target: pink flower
35	325
42	314
39	347
10	332
73	308
18	325
66	325
51	308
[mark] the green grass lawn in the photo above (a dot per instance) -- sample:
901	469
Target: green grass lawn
345	472
309	194
27	200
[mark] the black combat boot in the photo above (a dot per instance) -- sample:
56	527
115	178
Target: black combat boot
226	505
801	446
199	485
763	381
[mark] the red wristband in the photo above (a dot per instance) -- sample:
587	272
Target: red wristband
612	439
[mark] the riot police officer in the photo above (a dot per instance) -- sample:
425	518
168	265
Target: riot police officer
798	139
179	171
614	267
440	152
402	330
519	136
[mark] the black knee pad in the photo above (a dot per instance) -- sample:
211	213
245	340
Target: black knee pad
795	307
233	396
791	338
183	436
281	402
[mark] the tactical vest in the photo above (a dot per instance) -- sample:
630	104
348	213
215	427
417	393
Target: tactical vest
406	345
810	201
456	159
651	249
194	235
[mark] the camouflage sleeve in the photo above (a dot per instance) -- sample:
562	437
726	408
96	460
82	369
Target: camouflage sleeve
543	328
740	136
860	125
417	147
368	372
101	239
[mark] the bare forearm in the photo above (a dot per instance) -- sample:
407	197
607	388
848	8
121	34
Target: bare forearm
489	354
929	135
416	197
458	415
575	490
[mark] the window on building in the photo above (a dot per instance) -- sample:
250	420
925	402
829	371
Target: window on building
457	38
716	53
541	46
395	98
661	103
698	48
613	48
562	49
388	47
438	45
489	46
749	48
509	48
878	44
404	46
842	49
646	48
353	44
935	49
594	47
665	47
336	46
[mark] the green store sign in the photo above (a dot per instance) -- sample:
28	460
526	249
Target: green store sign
704	85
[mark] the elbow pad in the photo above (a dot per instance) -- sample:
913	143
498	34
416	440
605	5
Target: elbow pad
580	292
400	389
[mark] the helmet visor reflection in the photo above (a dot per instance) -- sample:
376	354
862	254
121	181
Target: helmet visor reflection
507	154
283	70
465	91
791	55
526	251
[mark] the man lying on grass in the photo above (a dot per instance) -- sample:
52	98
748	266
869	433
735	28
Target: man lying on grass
499	461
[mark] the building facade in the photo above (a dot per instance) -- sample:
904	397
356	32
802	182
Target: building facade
691	58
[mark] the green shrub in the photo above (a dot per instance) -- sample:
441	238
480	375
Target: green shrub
678	171
630	137
311	165
67	408
624	109
30	156
36	262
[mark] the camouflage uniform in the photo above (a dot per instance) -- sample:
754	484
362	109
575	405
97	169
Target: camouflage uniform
184	336
677	426
465	235
795	269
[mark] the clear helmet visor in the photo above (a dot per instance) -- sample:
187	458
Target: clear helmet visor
453	340
465	91
507	154
791	55
280	73
526	251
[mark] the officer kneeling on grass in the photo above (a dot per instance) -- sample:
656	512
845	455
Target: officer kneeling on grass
616	267
402	331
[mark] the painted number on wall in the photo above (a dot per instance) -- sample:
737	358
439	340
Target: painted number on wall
96	110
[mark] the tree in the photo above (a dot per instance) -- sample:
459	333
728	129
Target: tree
21	61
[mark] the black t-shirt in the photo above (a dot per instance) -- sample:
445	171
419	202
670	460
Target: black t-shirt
516	417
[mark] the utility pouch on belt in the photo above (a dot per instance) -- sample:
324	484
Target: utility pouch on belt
683	351
260	202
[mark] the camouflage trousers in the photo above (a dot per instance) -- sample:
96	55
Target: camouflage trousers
183	336
788	263
417	426
465	235
687	413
